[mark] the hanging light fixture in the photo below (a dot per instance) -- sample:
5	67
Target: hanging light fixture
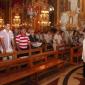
51	8
44	16
1	22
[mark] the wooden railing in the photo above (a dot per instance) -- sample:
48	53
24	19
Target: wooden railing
63	49
15	53
75	52
72	51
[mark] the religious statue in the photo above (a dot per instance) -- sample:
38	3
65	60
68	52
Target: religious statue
74	11
64	20
73	5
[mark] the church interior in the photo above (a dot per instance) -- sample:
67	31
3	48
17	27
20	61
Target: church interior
42	42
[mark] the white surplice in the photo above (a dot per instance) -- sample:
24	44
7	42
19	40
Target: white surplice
83	53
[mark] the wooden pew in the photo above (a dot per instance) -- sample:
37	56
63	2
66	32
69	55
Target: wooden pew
31	51
75	52
36	50
42	56
10	70
13	70
64	49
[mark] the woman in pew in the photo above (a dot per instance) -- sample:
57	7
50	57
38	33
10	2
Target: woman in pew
48	40
33	39
75	38
57	40
39	36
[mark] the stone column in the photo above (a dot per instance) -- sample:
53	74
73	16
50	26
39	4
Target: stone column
58	11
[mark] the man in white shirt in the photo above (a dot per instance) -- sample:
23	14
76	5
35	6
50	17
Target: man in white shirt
57	40
48	38
8	40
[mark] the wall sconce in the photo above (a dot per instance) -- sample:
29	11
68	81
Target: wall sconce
51	8
1	22
16	20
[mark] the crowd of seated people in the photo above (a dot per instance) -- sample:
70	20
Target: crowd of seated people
24	39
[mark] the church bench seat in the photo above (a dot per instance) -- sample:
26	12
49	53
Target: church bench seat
27	72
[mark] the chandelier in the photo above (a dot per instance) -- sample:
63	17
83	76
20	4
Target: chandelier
44	16
16	20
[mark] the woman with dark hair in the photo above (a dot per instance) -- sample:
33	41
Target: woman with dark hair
33	39
75	38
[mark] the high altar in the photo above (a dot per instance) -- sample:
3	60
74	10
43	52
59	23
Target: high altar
37	14
34	14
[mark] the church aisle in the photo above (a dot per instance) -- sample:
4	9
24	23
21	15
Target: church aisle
71	75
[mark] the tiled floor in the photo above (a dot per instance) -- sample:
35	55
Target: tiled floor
70	75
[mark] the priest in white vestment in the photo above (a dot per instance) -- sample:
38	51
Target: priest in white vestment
83	57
